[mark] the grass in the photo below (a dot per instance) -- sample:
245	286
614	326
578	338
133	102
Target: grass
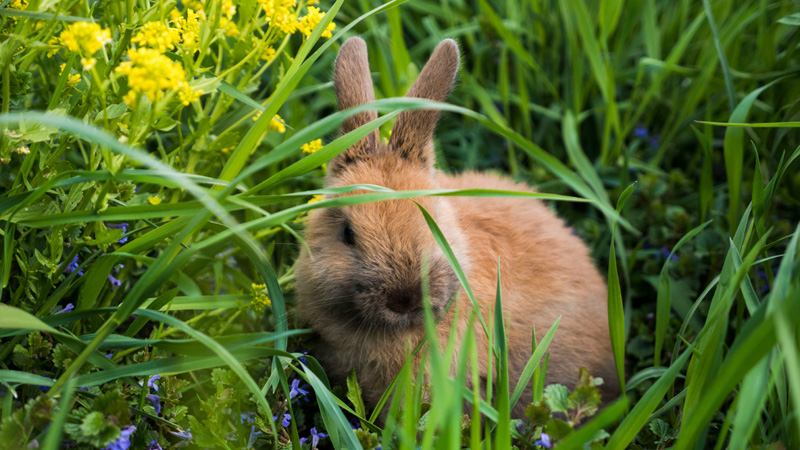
664	132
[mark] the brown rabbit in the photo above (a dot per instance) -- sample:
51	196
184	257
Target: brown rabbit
361	289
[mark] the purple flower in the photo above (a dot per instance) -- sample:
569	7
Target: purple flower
67	308
296	389
544	441
72	266
123	226
115	283
183	434
124	440
154	446
151	382
667	254
156	401
521	428
110	355
286	419
640	131
303	358
119	267
248	417
315	437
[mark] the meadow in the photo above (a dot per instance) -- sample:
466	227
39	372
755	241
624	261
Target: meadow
158	161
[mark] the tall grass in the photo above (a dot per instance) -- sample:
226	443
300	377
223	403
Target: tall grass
664	132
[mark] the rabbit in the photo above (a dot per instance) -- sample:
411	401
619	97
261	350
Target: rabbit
360	288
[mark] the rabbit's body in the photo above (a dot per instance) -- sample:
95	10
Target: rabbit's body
362	289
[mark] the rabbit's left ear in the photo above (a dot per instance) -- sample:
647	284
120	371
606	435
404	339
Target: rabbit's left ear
412	135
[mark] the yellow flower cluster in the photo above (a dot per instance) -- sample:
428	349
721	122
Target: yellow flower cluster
19	5
316	198
150	73
281	13
73	79
312	146
268	53
154	200
275	124
260	298
157	35
85	38
189	28
311	20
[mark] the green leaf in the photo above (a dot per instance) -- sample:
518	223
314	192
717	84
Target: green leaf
112	112
354	394
556	397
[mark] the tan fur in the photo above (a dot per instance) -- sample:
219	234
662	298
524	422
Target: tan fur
350	294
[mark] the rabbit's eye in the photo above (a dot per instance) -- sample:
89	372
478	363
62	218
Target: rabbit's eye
349	236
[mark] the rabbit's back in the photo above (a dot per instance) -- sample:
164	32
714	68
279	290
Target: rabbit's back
546	272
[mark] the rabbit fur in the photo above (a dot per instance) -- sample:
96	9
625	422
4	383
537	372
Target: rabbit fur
361	289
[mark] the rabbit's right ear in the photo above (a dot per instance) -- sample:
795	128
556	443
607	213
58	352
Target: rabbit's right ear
353	83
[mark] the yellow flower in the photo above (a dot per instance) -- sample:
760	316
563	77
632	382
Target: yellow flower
260	298
19	5
312	146
268	53
281	14
229	27
73	79
275	124
189	27
151	73
85	38
311	20
316	198
154	200
187	94
228	8
157	35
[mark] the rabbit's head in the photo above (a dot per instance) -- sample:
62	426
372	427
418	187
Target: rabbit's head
365	271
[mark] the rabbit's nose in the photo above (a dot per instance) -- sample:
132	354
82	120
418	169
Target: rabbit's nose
404	300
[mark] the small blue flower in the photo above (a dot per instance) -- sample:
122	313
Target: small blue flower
544	441
115	283
124	440
296	389
286	419
655	141
73	266
315	437
151	382
156	401
123	226
186	435
521	428
119	267
640	131
67	308
248	417
154	445
303	358
251	441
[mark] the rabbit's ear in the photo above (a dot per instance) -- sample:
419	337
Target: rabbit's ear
412	135
353	83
